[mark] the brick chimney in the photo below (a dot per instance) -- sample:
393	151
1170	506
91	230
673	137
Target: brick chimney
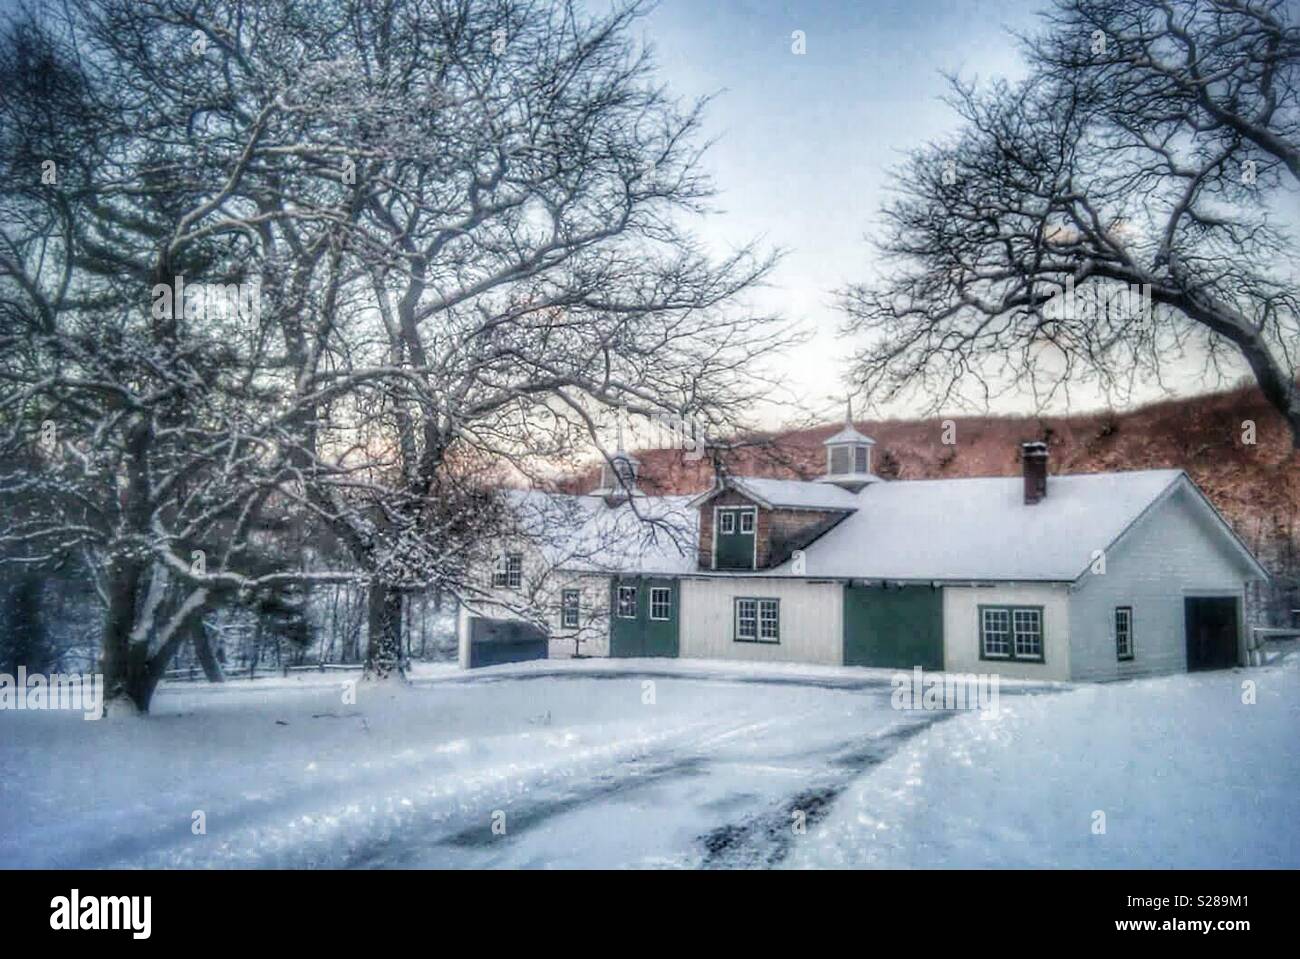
1034	457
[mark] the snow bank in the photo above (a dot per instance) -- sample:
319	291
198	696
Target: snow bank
1185	774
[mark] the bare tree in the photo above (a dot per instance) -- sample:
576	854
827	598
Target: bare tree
1152	149
464	226
141	426
519	223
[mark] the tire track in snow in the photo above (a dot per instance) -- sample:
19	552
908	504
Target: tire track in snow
606	787
637	772
764	840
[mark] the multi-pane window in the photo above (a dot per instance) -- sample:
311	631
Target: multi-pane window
996	632
626	602
1028	625
661	603
569	600
747	522
727	521
509	571
1124	632
758	621
1011	632
747	620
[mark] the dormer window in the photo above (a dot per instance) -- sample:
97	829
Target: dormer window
749	523
735	541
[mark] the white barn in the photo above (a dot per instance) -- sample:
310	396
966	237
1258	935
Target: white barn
1067	577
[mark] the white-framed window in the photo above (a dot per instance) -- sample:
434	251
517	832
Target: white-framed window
746	620
727	521
1124	632
758	620
661	603
861	459
1028	627
747	521
995	631
626	602
509	571
1011	632
570	603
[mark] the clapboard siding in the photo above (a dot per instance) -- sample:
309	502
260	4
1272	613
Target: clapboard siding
961	624
1176	550
811	620
542	587
593	616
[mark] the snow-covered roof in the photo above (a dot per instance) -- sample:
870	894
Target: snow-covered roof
786	494
849	435
981	529
645	534
963	530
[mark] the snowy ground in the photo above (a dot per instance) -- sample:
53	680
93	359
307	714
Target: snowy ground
584	764
1186	773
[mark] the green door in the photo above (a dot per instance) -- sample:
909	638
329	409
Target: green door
733	537
644	617
661	617
894	628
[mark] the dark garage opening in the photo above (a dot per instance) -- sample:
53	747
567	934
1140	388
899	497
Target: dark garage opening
1211	631
495	641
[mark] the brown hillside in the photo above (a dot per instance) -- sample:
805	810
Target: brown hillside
1257	487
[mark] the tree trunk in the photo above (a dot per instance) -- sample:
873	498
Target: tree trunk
257	650
23	621
123	667
352	632
131	675
1275	382
424	624
384	639
1275	379
203	650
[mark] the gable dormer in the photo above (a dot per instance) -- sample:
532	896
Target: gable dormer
750	523
848	457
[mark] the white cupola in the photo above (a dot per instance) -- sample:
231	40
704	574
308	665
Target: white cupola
848	457
618	475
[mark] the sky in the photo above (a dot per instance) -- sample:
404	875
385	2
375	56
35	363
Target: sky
806	142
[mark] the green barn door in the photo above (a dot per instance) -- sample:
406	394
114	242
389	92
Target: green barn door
893	628
626	638
661	617
733	537
644	617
